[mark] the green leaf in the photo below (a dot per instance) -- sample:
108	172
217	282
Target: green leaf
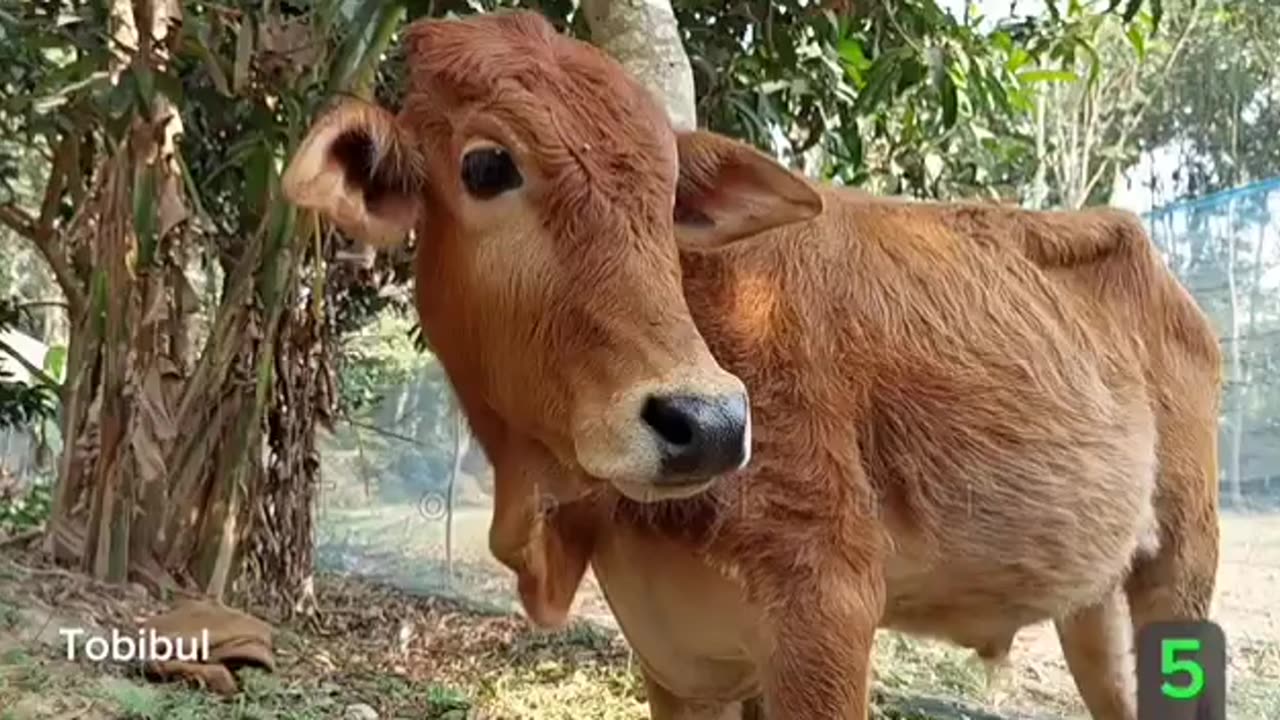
1042	76
883	76
1138	41
198	45
144	82
912	72
144	214
55	362
850	51
363	26
1017	59
950	102
1095	60
853	146
171	87
386	22
1132	9
257	179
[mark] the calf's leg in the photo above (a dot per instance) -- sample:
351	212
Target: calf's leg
1176	583
1097	641
822	629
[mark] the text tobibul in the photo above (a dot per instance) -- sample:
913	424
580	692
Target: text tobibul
146	646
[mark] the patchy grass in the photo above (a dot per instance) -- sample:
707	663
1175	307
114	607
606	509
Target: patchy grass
458	665
398	544
406	655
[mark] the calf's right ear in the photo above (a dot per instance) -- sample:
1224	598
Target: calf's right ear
361	170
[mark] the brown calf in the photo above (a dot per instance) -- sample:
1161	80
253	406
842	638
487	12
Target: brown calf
963	419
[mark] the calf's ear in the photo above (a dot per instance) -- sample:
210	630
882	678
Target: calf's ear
728	190
361	170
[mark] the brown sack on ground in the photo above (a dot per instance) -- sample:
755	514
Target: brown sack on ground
235	640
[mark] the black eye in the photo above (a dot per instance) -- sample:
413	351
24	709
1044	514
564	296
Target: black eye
488	172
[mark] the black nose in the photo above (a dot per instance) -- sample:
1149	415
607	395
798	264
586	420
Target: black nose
699	436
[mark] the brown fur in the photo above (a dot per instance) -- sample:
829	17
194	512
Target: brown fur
966	418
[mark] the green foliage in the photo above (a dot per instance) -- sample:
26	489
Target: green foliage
378	359
899	96
22	404
55	362
28	510
1219	108
902	97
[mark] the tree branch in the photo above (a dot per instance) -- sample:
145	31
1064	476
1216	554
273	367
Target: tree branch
62	158
42	304
40	231
1140	112
385	433
17	220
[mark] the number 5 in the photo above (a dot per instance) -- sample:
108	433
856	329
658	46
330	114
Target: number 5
1171	665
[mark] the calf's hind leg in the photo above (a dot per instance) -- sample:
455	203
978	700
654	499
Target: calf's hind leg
1176	584
1096	641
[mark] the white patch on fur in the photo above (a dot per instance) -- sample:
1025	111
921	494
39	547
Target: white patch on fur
1149	524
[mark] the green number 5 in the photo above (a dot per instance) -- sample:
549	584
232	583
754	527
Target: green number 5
1171	665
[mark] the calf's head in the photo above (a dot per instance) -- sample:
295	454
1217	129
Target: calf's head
541	181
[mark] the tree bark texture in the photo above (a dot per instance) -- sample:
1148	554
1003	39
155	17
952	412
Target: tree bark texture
644	37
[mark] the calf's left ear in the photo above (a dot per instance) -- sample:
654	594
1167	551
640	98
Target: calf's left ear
728	190
362	171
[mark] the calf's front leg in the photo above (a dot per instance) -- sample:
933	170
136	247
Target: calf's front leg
818	661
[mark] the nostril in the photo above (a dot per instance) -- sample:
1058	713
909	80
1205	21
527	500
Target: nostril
668	420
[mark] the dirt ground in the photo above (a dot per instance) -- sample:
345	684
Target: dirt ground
1037	680
374	650
368	652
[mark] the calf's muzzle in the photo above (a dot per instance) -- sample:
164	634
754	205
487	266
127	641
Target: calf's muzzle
699	436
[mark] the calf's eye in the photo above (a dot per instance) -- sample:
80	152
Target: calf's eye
489	172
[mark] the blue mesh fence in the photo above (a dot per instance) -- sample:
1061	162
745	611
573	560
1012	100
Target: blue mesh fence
1226	249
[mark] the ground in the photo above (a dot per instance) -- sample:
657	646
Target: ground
374	648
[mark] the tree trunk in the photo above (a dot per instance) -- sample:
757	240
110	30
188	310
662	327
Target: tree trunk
116	421
1038	196
644	37
1235	440
460	442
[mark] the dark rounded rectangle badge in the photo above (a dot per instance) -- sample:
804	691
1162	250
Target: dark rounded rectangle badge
1182	671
